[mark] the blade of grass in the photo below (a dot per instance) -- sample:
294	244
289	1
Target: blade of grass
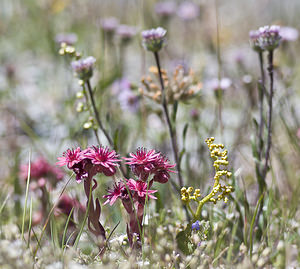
26	196
4	202
66	228
252	223
30	222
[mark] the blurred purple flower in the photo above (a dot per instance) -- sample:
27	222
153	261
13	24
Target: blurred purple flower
84	67
128	100
194	113
154	39
109	25
188	11
165	9
289	33
68	38
223	84
126	32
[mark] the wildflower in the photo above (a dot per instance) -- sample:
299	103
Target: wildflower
265	38
115	193
141	188
67	38
196	225
71	157
84	67
41	174
154	39
222	84
165	9
161	170
128	100
109	25
105	160
125	32
65	205
188	11
141	162
288	33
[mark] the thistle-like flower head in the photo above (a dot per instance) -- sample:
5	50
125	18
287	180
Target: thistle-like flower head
154	39
266	38
84	67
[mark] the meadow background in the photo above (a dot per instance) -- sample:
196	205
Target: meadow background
41	117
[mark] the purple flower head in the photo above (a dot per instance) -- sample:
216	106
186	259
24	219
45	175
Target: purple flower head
67	38
154	39
265	38
84	67
165	9
109	25
128	100
288	33
196	225
188	11
126	32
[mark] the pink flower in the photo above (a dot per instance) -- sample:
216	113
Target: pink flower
144	163
71	157
115	193
104	159
140	187
41	172
141	162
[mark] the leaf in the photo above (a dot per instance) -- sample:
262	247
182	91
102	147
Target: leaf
175	108
183	240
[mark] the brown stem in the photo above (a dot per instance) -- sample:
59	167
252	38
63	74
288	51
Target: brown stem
269	142
172	132
261	104
97	113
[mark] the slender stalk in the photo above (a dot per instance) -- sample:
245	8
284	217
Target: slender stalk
261	104
167	116
269	141
89	108
109	139
99	122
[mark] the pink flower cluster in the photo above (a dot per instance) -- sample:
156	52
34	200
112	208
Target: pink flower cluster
145	163
90	161
41	172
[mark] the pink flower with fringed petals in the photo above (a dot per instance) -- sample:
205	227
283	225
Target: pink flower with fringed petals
140	187
114	194
107	160
142	157
71	157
